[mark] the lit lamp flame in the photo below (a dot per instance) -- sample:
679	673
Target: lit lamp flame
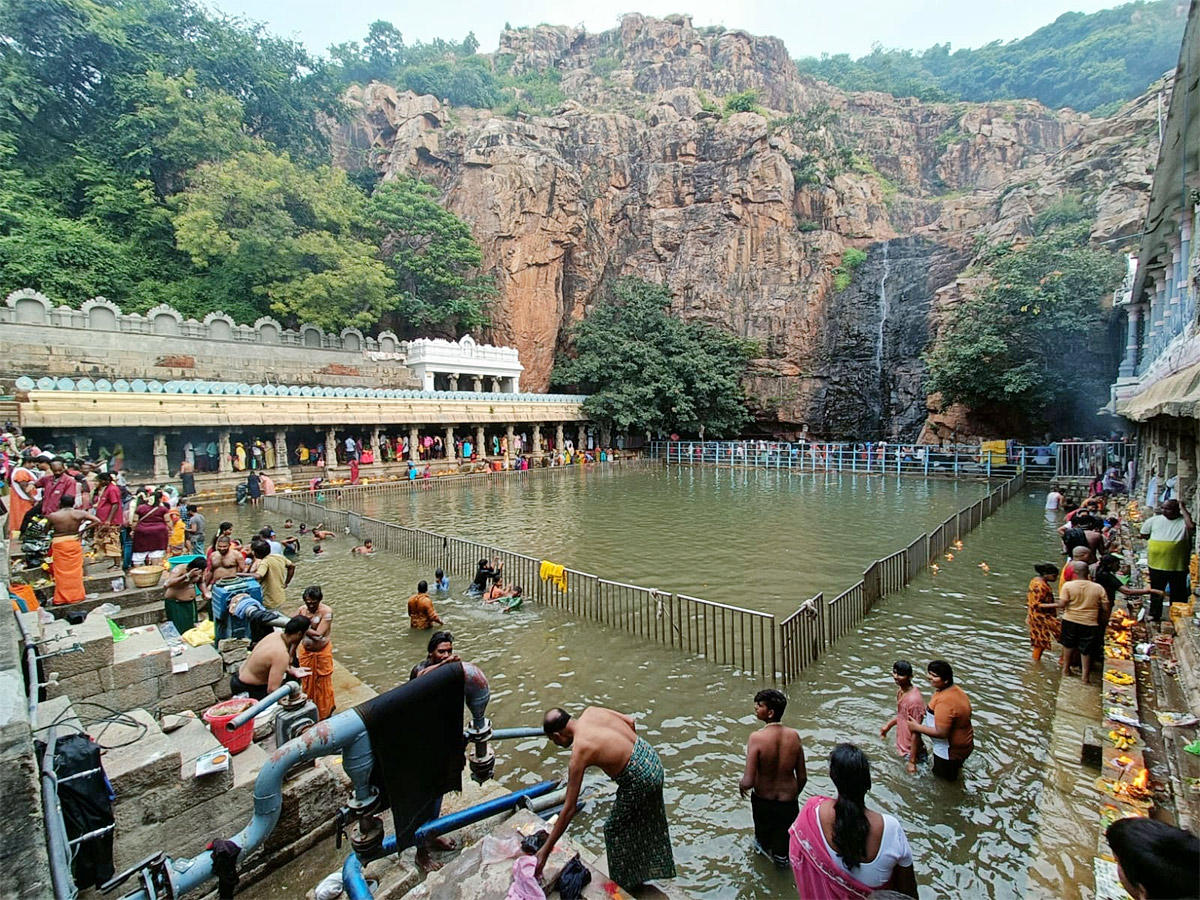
1141	781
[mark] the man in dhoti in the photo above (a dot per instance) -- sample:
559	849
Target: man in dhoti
316	651
636	835
66	551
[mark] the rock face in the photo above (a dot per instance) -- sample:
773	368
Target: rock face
746	216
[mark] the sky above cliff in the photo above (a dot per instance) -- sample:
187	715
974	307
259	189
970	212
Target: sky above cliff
809	28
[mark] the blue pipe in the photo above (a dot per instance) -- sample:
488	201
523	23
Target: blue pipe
287	689
355	882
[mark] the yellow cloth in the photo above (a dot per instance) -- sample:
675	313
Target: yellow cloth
997	449
204	633
551	572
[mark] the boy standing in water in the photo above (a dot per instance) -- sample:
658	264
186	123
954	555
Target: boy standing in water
776	774
909	702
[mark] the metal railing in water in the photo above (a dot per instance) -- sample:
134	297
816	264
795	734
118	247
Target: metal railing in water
1064	460
745	639
817	624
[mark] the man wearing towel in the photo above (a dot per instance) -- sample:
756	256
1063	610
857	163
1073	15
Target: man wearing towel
636	834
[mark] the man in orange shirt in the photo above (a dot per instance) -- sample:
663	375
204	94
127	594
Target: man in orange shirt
421	613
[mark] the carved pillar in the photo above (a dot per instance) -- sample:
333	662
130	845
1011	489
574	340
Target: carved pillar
559	440
448	440
1128	367
537	442
331	444
1174	301
282	460
81	446
375	454
581	438
162	468
477	384
414	436
454	382
481	442
510	442
1186	292
223	463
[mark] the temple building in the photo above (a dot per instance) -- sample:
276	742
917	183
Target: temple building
1158	387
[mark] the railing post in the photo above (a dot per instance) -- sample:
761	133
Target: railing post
927	455
956	459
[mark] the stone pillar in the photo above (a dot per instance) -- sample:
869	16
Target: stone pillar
375	453
559	440
477	384
1174	305
537	442
508	436
495	385
331	443
282	460
454	381
223	463
448	440
414	454
581	438
1128	367
162	467
481	442
1186	291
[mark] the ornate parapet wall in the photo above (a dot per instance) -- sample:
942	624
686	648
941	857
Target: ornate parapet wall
100	341
464	364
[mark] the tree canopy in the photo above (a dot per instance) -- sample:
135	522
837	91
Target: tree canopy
1087	62
153	151
644	369
1025	343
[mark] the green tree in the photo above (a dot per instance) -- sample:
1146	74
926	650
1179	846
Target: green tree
646	370
433	257
299	239
1018	345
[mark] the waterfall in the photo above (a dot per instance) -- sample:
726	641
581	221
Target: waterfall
883	314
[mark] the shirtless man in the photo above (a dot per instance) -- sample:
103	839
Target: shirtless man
223	562
66	520
315	653
320	533
366	549
179	593
636	835
270	662
776	774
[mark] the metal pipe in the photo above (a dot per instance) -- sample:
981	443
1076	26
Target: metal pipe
331	736
554	798
503	734
57	846
30	649
288	688
462	818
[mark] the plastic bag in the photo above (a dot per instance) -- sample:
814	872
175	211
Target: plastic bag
525	886
330	887
497	849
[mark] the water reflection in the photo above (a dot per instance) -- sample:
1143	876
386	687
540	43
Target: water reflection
692	528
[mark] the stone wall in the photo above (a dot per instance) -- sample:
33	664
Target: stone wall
98	340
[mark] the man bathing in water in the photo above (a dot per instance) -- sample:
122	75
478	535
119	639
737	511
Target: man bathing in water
320	533
270	662
775	774
636	834
366	549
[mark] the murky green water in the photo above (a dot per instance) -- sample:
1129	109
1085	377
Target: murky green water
766	541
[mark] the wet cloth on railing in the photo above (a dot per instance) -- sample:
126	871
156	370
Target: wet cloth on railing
551	572
417	737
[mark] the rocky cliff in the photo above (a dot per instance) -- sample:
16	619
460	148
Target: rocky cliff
746	216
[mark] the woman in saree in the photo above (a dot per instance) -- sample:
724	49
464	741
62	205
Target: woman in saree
839	849
151	533
1044	626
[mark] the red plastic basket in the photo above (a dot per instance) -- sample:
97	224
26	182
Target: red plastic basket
216	717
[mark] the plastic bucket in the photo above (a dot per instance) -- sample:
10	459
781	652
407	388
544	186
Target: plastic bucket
216	717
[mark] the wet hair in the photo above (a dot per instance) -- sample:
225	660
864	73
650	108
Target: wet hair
297	625
556	720
67	501
518	590
318	550
851	774
313	592
483	563
439	637
200	563
224	526
1050	570
260	548
422	587
1109	562
1161	859
773	700
438	574
266	531
942	670
903	668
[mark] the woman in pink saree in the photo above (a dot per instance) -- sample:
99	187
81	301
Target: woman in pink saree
839	849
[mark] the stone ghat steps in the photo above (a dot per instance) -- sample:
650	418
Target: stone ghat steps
1180	692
